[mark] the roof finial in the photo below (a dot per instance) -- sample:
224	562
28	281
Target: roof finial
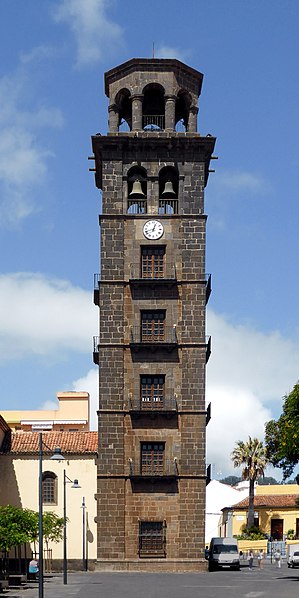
153	49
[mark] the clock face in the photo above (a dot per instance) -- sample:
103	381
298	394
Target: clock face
153	229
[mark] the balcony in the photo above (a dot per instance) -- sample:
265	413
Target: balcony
159	275
164	405
164	337
169	470
208	474
208	278
208	348
153	122
96	282
208	413
96	350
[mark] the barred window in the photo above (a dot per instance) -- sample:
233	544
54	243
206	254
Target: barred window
152	458
152	262
49	487
152	538
152	326
152	392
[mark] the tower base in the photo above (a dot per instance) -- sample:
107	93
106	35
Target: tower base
153	565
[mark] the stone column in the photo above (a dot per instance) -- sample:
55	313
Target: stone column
170	113
113	118
137	112
192	122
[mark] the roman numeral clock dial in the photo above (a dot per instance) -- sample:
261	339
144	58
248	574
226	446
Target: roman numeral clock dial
153	229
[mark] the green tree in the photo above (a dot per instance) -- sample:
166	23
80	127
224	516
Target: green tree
231	480
16	526
267	480
52	527
282	435
251	455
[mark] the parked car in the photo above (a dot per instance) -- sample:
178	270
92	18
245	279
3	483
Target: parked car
293	559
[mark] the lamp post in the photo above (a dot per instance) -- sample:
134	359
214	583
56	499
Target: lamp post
75	484
57	456
84	552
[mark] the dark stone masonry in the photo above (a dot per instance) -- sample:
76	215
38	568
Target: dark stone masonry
152	349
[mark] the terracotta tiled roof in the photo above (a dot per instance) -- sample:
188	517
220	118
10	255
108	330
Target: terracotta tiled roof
70	442
270	500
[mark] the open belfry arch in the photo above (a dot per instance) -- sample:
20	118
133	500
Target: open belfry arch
152	348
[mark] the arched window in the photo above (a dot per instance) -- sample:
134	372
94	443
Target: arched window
137	190
168	190
49	483
182	109
123	102
153	107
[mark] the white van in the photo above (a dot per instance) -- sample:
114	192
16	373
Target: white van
224	553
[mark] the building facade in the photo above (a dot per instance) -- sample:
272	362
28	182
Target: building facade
152	349
276	512
72	415
19	474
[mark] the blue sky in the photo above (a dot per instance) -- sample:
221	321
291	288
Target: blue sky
53	57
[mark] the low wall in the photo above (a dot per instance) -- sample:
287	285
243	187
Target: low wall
254	545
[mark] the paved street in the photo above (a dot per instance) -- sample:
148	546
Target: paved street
269	583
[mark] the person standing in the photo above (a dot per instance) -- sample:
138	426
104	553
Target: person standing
277	558
260	558
250	559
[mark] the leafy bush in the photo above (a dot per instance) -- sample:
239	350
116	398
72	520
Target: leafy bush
252	533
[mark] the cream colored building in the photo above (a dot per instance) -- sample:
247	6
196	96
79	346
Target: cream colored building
19	469
72	415
275	512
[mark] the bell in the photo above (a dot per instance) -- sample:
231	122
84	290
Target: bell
136	189
168	189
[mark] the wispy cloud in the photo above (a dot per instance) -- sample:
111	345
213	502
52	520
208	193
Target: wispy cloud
96	35
237	181
165	51
53	317
23	157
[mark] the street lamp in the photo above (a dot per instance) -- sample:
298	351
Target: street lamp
75	484
84	551
57	456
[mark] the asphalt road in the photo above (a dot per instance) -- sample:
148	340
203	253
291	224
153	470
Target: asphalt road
268	583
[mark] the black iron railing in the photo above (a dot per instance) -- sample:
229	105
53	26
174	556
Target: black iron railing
169	469
159	271
153	122
159	335
153	404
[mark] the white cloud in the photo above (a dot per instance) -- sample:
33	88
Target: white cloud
37	54
164	51
248	374
95	34
51	318
90	383
240	181
50	406
23	158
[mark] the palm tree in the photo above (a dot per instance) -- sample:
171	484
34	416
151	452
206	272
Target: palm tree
252	456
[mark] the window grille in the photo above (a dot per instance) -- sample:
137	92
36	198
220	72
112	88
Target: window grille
152	392
152	458
152	538
152	326
152	262
49	488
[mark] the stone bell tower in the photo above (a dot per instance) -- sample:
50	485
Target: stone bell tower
152	349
